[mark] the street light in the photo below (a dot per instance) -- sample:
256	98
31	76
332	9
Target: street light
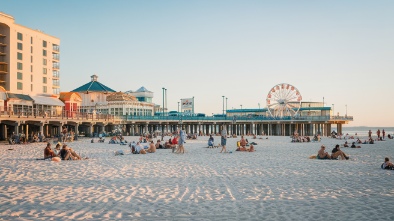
166	97
241	106
346	110
178	106
226	104
163	99
259	108
333	111
223	106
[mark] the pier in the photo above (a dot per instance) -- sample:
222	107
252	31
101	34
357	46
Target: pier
89	124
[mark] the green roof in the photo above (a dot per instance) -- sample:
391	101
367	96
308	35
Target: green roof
20	96
93	86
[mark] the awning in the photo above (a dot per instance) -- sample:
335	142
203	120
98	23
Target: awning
20	96
47	101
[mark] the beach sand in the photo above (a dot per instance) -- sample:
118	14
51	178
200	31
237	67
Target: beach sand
277	182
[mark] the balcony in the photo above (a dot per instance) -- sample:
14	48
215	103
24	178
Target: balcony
56	49
56	74
2	44
56	57
56	66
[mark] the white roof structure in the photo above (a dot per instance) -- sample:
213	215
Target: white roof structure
51	101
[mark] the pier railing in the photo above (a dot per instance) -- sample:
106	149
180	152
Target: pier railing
55	115
235	118
74	115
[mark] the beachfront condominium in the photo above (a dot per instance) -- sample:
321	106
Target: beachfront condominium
29	59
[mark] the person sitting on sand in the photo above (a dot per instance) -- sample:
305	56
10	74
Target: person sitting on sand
323	155
211	141
158	145
152	148
48	152
65	154
251	148
336	152
387	165
132	146
346	144
58	148
139	149
242	142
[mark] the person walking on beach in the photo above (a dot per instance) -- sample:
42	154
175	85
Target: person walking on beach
383	133
369	133
223	140
64	132
378	133
181	141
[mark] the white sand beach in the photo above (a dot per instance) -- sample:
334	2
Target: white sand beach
277	182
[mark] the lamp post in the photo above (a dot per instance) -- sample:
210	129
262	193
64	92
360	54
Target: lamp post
223	106
259	108
333	111
166	98
241	106
226	105
346	110
163	100
178	106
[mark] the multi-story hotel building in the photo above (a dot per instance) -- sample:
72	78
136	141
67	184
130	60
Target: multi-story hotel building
29	65
29	59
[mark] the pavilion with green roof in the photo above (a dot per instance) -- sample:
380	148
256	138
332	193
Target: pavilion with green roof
93	86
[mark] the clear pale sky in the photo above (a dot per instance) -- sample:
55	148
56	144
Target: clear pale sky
340	50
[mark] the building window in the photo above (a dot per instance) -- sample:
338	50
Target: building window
56	91
20	67
44	89
55	82
44	61
44	70
31	59
20	47
31	40
44	80
19	76
44	44
20	36
31	49
31	68
20	56
31	87
44	52
19	85
31	78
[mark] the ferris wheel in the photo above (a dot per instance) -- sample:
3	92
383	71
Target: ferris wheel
283	100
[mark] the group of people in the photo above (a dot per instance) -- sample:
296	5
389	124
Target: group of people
64	153
296	139
335	153
21	138
242	145
176	144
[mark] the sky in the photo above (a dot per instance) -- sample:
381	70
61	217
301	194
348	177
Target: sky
340	50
